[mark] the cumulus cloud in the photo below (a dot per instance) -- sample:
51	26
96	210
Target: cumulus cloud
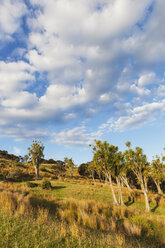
21	132
139	116
82	58
76	136
14	76
11	12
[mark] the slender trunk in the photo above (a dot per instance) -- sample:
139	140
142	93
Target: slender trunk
120	192
112	189
36	167
125	182
145	196
37	171
157	183
146	183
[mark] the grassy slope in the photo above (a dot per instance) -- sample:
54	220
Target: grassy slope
47	232
99	192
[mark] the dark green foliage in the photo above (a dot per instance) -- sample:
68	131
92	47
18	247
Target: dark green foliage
46	185
83	169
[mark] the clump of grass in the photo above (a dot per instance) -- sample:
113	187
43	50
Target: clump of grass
79	217
131	229
46	185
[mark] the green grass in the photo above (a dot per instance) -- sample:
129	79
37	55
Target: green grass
66	230
79	191
28	233
37	233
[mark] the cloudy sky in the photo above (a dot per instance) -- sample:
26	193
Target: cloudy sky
72	71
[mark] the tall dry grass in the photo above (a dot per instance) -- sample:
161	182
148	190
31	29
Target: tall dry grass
90	214
76	216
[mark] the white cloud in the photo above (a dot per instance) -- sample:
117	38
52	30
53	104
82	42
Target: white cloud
77	136
21	132
21	99
62	97
13	76
11	12
83	57
140	116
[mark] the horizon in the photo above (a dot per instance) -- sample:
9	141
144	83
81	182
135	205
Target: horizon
74	71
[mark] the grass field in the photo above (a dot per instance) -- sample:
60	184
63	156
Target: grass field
76	213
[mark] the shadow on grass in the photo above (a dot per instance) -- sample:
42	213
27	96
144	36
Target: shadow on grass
157	199
45	204
130	201
144	241
58	187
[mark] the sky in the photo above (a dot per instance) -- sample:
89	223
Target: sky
74	71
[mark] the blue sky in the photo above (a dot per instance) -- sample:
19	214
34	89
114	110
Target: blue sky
72	71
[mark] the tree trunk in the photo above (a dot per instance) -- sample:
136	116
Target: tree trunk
106	180
125	181
120	192
37	172
157	183
36	166
145	196
112	189
146	183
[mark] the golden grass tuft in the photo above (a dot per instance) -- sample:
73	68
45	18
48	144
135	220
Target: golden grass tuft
131	229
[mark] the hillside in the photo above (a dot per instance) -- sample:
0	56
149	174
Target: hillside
73	211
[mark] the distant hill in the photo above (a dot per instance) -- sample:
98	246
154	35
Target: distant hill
7	156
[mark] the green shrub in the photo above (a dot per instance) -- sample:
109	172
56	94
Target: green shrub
31	185
46	185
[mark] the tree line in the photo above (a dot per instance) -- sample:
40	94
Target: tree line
110	164
129	168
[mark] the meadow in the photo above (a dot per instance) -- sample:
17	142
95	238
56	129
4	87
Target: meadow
73	212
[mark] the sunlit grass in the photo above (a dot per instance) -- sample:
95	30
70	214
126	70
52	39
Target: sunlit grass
75	213
73	223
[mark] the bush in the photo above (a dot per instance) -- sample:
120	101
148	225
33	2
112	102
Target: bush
31	185
46	185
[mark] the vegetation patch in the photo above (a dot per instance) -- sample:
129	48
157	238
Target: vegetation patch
46	185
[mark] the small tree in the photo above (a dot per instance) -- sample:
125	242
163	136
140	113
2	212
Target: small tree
92	169
69	164
156	172
137	162
36	154
117	169
104	156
